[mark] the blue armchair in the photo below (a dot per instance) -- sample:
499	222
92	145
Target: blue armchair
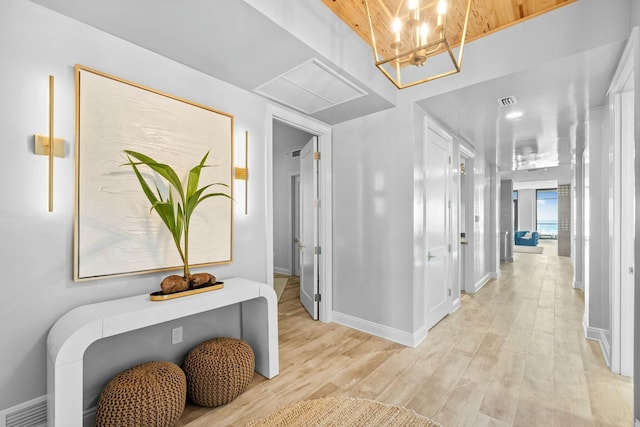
519	238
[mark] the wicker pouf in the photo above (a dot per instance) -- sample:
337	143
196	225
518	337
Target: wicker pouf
218	370
151	394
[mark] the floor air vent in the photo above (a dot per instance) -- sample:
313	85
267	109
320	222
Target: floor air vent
28	414
507	100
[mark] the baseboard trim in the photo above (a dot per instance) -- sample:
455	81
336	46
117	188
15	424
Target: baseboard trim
495	274
599	334
480	283
636	423
382	331
577	284
32	413
455	305
89	416
280	270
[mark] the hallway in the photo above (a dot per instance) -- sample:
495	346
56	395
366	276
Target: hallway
513	354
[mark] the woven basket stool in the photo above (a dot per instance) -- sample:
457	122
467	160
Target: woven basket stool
151	394
218	370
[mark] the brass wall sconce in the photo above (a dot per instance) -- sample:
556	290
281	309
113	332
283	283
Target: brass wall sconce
44	143
242	174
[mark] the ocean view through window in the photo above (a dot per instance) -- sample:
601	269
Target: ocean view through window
547	213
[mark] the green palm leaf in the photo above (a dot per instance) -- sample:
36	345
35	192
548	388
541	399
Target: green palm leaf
175	213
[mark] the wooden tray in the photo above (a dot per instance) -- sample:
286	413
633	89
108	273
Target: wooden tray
160	296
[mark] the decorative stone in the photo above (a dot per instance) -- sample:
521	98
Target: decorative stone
201	279
174	283
218	371
151	394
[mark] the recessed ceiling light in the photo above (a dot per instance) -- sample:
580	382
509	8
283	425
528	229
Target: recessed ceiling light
514	115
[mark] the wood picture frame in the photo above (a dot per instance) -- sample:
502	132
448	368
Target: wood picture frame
115	231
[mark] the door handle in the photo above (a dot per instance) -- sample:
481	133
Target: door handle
464	243
430	257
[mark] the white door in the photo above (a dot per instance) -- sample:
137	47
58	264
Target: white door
462	224
436	217
295	214
309	228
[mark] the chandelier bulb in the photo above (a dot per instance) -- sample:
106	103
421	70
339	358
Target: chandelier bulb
442	7
424	30
397	25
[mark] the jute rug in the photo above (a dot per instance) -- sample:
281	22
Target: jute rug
279	284
343	411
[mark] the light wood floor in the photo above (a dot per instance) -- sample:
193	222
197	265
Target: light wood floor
513	354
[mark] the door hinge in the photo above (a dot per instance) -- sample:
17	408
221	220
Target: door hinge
316	155
317	250
449	247
316	203
449	291
449	203
449	159
317	297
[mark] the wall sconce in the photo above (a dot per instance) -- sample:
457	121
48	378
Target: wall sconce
242	174
43	144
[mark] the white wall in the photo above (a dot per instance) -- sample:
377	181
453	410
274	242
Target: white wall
634	15
373	175
527	209
482	220
285	140
599	300
506	219
577	244
36	250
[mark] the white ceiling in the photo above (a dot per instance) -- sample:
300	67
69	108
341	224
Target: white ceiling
234	42
554	99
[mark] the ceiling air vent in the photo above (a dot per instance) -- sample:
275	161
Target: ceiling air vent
507	100
311	87
295	153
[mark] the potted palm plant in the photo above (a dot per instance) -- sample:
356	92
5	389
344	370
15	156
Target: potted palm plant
175	210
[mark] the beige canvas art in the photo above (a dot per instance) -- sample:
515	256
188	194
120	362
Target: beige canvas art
115	232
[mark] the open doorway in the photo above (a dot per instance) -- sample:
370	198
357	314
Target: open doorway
284	168
288	142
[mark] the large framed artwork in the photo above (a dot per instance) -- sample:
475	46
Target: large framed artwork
115	232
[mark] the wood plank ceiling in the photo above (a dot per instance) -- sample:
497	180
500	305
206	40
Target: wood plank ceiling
486	16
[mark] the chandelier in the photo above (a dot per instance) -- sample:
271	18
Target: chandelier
415	41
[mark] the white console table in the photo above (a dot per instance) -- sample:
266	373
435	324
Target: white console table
74	332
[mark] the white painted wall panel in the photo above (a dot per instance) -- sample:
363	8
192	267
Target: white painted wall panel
598	187
373	219
527	209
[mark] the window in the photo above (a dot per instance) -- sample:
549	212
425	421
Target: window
547	213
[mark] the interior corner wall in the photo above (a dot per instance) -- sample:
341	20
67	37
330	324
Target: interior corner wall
506	220
37	246
373	219
577	224
599	288
494	223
